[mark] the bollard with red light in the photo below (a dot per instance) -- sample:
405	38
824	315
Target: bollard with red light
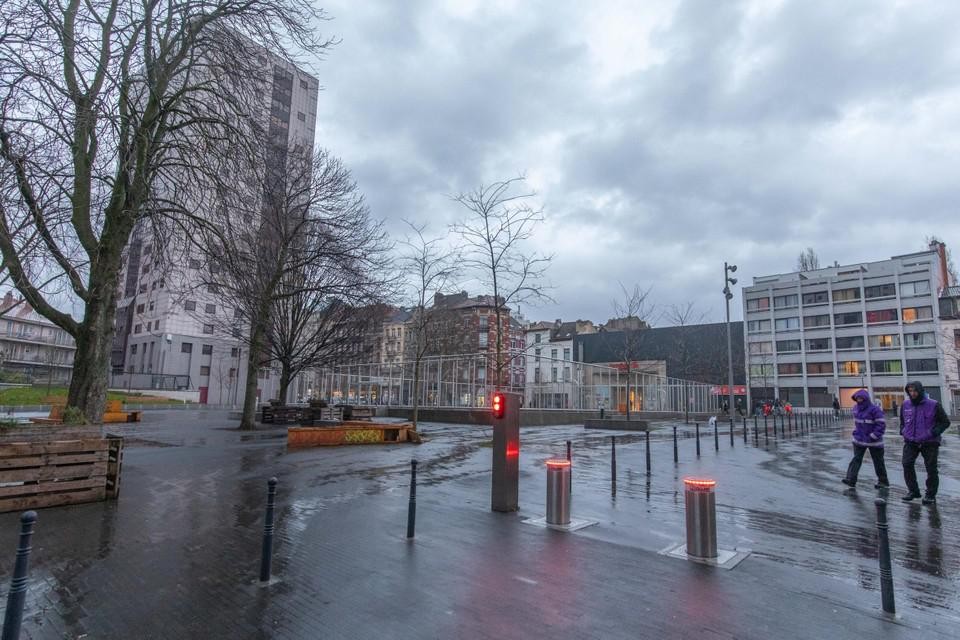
558	491
505	420
701	516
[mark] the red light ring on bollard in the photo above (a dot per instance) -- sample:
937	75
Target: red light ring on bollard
558	462
700	484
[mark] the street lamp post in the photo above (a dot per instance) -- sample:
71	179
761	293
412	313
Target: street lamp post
728	294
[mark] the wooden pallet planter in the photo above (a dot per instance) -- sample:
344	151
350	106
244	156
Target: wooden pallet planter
52	473
352	433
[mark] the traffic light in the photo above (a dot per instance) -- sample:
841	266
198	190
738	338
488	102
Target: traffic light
499	405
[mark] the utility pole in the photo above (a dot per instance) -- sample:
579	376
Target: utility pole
728	294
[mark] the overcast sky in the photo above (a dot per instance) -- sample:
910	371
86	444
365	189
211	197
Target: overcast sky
662	138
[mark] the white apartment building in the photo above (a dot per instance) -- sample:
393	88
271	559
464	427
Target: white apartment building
816	335
31	347
172	335
551	378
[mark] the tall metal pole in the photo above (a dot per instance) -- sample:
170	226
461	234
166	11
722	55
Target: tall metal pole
728	295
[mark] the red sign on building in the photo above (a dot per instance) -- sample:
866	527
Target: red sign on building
723	390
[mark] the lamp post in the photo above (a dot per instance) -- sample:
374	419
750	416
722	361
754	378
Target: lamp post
728	294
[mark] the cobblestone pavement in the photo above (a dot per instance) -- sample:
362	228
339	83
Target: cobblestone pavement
177	555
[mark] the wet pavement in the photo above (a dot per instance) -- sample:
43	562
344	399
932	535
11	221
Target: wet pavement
177	555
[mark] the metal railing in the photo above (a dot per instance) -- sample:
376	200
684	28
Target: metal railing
154	381
467	381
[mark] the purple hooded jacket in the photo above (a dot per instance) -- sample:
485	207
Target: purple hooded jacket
869	424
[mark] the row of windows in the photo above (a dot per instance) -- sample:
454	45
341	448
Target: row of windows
846	368
554	373
886	341
553	353
915	288
909	316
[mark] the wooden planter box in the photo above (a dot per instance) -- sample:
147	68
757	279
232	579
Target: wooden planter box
50	473
352	433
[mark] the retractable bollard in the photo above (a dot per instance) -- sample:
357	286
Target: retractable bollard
697	425
505	419
676	450
701	507
886	568
646	435
558	491
731	432
744	429
570	458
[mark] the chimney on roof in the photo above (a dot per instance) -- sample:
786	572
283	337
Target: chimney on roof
941	249
8	299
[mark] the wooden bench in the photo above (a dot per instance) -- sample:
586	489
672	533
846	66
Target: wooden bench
49	473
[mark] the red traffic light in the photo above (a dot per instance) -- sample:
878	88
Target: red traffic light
499	405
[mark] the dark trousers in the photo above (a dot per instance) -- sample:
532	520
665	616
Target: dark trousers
876	454
930	451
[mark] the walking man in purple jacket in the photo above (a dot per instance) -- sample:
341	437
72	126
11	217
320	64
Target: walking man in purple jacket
922	421
868	428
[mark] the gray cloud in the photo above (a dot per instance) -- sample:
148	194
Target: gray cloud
662	140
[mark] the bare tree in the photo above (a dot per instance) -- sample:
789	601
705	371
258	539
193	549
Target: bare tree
103	106
808	260
294	255
684	316
495	234
430	268
636	310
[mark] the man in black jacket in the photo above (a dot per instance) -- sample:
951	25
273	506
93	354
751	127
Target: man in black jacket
922	422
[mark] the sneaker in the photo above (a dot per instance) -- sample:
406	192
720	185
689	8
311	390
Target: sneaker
910	497
849	482
929	499
882	485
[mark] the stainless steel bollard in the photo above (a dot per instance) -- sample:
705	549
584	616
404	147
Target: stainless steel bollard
701	504
558	491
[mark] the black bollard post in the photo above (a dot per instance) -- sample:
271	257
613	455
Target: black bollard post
412	505
744	429
18	585
886	570
716	436
266	551
731	432
647	434
570	460
676	452
756	434
613	465
697	424
766	431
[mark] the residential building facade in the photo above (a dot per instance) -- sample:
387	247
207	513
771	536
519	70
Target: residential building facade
816	335
32	348
552	377
171	332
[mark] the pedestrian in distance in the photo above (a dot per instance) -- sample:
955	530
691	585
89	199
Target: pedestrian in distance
868	428
725	406
767	408
894	407
739	407
788	408
922	422
836	408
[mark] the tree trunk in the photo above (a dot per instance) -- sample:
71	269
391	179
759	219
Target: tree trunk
628	390
249	419
284	382
499	369
416	392
91	364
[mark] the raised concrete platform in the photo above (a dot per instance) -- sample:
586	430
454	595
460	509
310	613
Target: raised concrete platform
617	424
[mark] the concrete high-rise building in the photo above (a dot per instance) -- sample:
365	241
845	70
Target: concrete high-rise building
170	333
815	335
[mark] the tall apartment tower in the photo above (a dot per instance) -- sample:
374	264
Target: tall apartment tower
170	335
815	335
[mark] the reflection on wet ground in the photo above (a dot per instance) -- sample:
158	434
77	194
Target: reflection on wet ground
193	488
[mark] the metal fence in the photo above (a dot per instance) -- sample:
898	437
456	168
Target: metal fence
155	381
467	381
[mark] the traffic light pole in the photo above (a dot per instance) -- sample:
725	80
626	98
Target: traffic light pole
505	420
